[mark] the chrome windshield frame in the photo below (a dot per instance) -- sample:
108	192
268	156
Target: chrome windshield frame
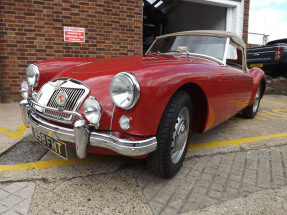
226	50
150	47
207	57
223	62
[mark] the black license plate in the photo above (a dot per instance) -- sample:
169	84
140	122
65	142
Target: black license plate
55	146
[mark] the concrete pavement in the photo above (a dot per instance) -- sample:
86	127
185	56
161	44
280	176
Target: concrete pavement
11	126
242	182
237	168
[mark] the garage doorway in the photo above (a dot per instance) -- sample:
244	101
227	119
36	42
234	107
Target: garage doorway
168	16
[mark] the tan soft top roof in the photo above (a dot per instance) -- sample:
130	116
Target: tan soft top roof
236	40
233	37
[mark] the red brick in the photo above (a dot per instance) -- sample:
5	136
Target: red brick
33	30
246	20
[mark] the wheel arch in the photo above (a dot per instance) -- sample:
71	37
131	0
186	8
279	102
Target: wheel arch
259	79
263	86
200	106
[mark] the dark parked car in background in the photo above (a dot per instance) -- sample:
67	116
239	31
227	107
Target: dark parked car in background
271	58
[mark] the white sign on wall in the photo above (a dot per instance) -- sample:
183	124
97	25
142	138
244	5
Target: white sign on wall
72	34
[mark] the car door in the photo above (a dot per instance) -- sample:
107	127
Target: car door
222	93
244	80
244	90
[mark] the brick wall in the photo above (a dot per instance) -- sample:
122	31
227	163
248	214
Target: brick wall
32	31
278	86
252	45
246	20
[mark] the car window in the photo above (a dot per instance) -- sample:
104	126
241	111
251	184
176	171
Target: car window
232	52
199	44
234	57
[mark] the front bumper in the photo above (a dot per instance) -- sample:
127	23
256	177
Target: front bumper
82	136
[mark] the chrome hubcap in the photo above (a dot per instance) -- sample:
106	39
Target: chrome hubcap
256	100
180	135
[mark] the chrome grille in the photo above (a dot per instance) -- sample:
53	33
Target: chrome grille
73	95
76	93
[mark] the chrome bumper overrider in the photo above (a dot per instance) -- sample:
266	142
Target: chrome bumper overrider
81	136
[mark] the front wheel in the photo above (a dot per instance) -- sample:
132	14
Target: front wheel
251	111
172	136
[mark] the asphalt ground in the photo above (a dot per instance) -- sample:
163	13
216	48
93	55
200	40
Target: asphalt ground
238	167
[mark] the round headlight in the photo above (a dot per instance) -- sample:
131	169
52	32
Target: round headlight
33	75
92	110
24	89
125	90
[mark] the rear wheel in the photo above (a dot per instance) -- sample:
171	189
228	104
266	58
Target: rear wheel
251	111
172	137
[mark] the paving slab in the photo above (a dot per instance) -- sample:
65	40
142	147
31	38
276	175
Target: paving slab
212	179
259	203
15	198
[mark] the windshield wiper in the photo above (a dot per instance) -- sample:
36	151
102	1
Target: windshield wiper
180	51
152	53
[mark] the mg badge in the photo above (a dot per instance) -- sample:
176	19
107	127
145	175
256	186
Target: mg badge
61	98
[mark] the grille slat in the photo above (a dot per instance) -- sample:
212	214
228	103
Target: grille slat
80	93
53	100
68	91
73	95
72	101
69	105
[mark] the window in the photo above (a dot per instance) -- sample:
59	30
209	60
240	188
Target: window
234	57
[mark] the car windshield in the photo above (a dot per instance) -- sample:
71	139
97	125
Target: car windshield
192	44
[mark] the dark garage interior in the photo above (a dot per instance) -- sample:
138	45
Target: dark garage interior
168	16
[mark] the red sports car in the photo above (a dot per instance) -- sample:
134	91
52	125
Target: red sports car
142	106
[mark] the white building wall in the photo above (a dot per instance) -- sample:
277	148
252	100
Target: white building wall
257	39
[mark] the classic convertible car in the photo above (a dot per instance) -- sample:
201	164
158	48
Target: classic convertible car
142	106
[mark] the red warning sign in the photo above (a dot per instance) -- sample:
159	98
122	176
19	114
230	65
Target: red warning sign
72	34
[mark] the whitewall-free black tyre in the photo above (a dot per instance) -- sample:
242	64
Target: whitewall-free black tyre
251	111
172	136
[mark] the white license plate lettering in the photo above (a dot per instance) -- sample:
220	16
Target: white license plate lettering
58	147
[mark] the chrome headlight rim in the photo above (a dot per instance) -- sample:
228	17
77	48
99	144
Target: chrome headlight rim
35	76
87	113
135	90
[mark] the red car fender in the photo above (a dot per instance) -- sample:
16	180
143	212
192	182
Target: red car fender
146	123
258	77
